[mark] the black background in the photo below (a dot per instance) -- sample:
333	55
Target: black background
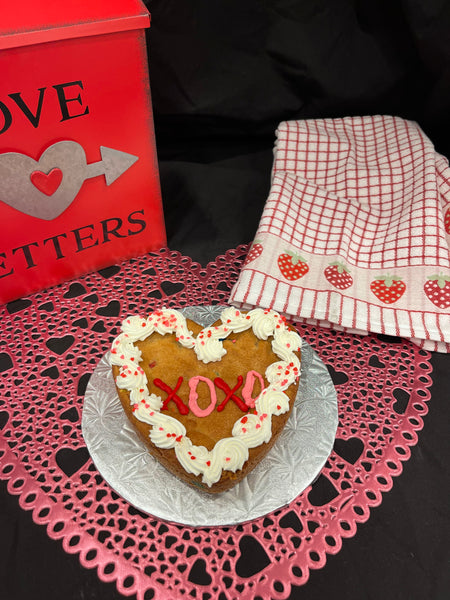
223	75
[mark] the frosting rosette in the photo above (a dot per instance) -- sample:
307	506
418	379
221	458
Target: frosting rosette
235	320
124	351
131	377
281	374
228	454
253	429
164	321
208	345
136	328
263	323
166	432
272	402
192	458
231	453
141	395
285	343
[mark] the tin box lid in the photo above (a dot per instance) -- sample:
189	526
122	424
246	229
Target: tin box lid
26	22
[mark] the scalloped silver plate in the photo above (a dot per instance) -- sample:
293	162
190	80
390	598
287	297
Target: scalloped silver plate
293	463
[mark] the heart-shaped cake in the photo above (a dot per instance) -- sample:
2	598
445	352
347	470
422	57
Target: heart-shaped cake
209	403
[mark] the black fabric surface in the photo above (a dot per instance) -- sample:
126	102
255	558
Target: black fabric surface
223	75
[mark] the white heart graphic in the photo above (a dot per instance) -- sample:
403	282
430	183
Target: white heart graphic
19	192
16	171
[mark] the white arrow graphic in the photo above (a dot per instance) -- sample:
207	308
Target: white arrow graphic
112	165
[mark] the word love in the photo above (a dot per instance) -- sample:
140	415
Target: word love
244	404
69	99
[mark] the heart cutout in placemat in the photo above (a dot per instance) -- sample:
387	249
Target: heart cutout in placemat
209	403
70	461
59	345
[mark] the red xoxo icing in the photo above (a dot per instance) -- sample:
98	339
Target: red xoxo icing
244	404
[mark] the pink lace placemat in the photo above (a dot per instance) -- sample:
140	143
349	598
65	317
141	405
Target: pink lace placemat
51	344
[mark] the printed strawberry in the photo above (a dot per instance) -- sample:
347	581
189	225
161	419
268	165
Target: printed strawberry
388	288
338	275
255	251
447	221
437	289
292	265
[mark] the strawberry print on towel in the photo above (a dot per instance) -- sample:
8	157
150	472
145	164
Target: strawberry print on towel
255	250
437	289
447	221
292	265
365	204
388	288
338	275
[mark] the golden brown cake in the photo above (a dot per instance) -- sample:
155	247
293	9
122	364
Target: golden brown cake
208	403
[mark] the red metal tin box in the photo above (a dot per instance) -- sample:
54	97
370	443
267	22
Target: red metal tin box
79	184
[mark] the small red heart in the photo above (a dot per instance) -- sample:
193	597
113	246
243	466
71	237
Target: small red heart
47	183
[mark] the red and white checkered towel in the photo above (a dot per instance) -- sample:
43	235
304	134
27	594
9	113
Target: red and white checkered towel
355	233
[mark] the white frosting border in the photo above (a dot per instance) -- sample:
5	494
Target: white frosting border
250	430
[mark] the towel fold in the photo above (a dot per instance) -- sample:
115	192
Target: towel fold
355	233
